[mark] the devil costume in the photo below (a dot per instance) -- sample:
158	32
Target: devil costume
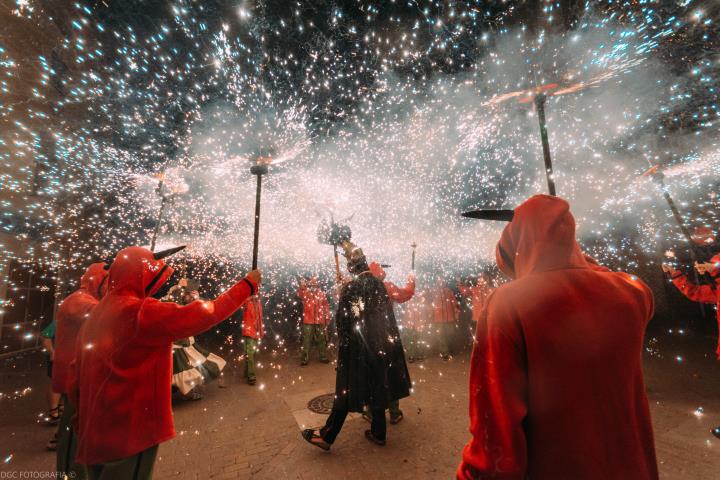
72	313
124	366
556	380
396	295
253	331
371	367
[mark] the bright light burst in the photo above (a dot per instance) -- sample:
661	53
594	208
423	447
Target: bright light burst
403	115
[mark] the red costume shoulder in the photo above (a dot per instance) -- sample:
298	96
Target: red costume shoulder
70	316
535	411
124	365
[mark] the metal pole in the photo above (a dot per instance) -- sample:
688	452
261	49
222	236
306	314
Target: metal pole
412	265
660	178
540	106
337	265
257	221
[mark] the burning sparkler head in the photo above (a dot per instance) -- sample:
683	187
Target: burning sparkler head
333	233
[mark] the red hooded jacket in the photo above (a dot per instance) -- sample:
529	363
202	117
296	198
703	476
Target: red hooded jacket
701	293
556	380
70	316
396	294
416	313
124	365
316	309
445	306
253	318
477	294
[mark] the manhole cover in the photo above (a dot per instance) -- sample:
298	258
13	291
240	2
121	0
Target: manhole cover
322	404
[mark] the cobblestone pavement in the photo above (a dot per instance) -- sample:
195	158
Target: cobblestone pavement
254	432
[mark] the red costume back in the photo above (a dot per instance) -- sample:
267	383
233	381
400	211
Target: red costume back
124	366
70	316
316	309
556	381
252	325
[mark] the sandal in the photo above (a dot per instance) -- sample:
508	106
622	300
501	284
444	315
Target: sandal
369	435
52	417
313	437
397	419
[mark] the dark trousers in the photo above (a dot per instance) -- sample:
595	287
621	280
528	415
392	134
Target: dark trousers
337	417
137	467
67	445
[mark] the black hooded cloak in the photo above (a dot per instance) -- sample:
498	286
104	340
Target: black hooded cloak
371	367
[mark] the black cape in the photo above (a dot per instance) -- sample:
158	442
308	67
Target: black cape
371	367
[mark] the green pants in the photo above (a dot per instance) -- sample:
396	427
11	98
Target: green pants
250	350
137	467
445	335
67	445
314	334
412	341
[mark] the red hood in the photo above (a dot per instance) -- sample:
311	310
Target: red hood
94	280
716	260
135	269
540	237
377	271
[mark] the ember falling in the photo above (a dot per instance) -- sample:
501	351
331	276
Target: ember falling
136	123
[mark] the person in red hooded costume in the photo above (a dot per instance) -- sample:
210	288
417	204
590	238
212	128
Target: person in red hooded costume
477	294
446	311
556	380
72	313
124	365
396	295
707	293
316	318
253	331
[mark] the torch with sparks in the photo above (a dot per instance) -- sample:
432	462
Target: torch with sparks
260	167
539	96
334	234
658	176
167	193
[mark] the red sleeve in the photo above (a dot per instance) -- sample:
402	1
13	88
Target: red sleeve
498	398
696	293
400	295
160	322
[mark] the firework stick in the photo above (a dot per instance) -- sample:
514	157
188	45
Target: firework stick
257	170
659	177
163	201
338	277
540	106
412	264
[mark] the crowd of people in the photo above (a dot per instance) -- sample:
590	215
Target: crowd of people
556	383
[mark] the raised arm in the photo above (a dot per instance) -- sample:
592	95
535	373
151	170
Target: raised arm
696	293
401	295
160	322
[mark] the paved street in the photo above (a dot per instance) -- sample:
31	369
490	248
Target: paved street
254	432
